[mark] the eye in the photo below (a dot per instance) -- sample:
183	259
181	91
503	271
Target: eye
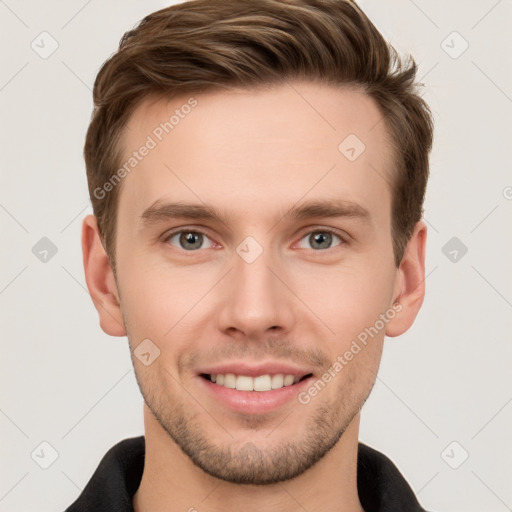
319	240
190	240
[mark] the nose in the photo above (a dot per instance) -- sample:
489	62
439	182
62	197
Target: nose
255	301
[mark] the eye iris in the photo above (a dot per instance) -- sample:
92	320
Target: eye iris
190	241
320	240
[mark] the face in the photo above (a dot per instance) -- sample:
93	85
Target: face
253	249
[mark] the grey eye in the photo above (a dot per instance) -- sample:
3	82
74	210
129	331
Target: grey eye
319	240
189	240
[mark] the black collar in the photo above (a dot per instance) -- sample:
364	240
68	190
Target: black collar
380	485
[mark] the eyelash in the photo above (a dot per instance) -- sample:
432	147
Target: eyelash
168	236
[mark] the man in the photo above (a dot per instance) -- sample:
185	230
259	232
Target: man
257	171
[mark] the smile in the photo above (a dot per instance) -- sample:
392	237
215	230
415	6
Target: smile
265	382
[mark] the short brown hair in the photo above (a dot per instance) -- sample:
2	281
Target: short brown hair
201	45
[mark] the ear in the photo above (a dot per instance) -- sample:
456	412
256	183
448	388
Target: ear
100	279
409	289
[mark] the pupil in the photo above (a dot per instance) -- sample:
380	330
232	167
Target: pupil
191	241
321	240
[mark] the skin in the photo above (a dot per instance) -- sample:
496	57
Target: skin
252	155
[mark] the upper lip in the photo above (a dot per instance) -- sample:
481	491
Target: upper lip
254	370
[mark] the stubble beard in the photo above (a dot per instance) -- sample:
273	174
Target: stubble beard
248	463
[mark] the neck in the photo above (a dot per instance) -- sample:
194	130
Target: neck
171	481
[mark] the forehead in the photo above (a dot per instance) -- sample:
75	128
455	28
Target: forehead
264	147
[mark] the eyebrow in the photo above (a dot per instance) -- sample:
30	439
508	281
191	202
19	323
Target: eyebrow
160	211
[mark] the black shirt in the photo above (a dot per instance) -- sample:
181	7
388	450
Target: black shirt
380	485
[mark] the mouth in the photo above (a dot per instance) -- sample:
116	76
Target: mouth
259	383
257	387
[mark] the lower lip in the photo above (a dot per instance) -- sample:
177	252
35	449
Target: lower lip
254	402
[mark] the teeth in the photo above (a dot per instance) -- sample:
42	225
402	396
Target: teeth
262	383
230	380
277	381
244	383
288	380
247	383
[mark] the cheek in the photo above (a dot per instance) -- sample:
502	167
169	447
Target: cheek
160	302
349	298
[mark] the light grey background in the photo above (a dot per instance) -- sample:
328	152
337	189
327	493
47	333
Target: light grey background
447	380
